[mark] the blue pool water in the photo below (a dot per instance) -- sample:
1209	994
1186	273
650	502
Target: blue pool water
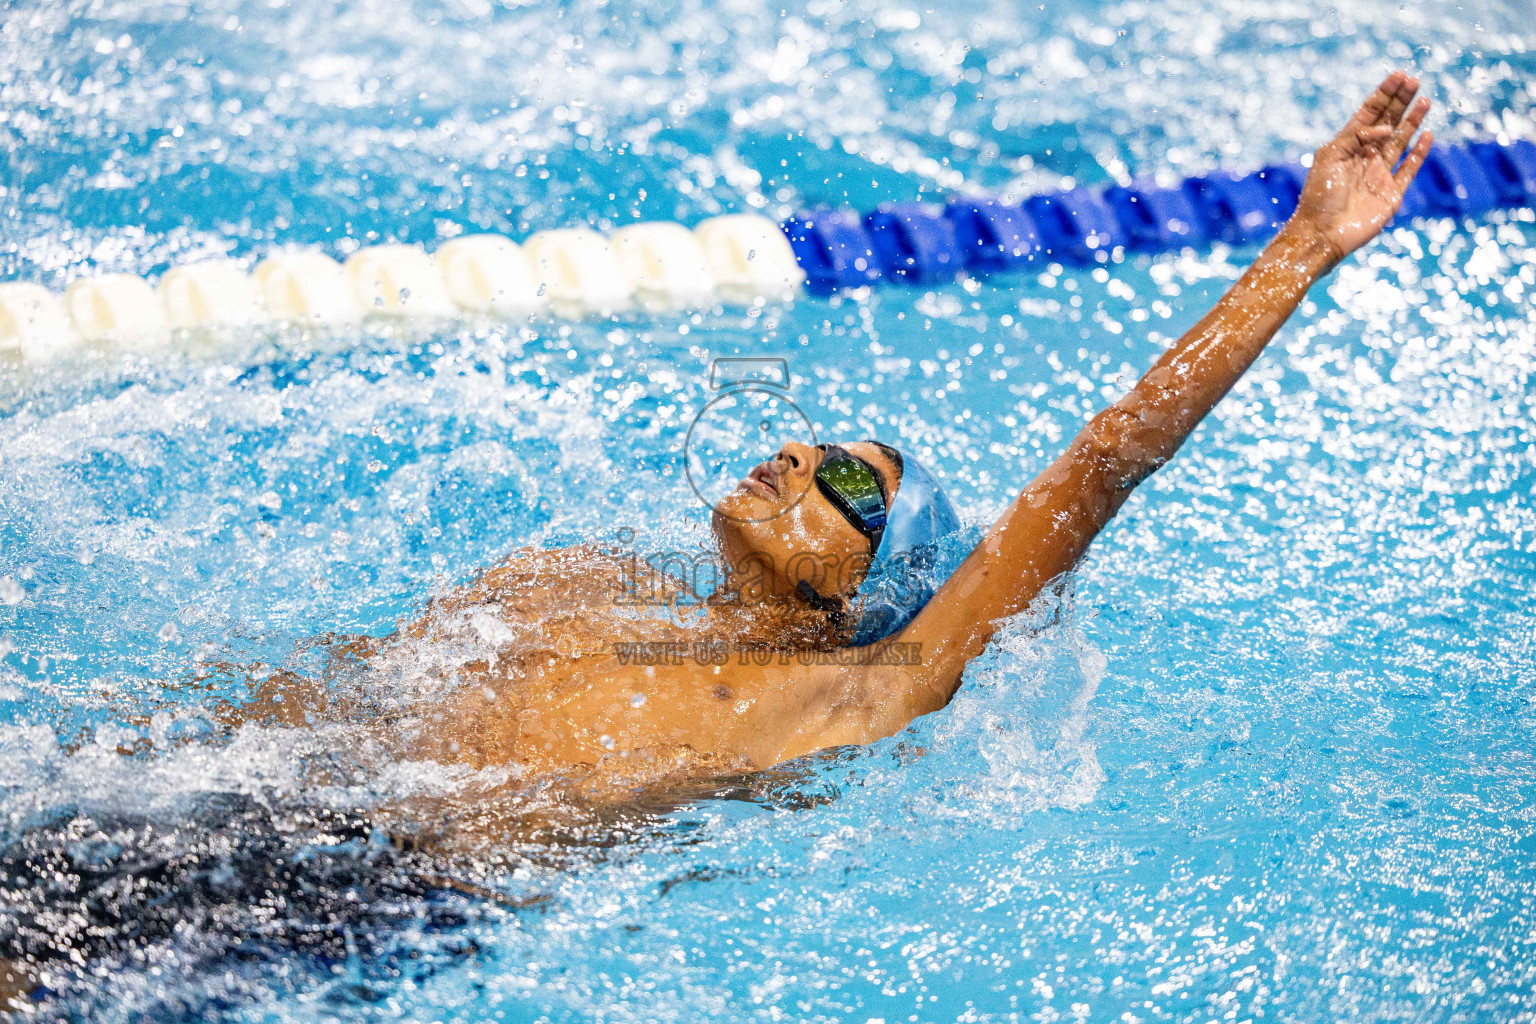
1272	759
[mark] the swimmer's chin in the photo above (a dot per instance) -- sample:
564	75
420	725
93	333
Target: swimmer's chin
745	503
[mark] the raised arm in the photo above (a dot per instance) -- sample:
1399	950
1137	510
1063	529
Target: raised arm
1350	193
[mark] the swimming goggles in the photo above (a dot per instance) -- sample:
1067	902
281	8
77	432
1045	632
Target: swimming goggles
854	489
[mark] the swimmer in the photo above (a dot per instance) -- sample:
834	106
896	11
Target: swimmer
583	681
570	679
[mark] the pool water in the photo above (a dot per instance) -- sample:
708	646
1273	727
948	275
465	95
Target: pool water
1271	756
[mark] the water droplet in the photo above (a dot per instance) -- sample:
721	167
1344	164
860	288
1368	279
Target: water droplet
606	741
11	592
167	632
637	700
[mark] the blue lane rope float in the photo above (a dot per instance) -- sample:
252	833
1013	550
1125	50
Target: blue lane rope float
993	234
915	242
920	244
733	258
1510	169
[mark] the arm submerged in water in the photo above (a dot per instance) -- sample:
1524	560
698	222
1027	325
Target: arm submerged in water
1350	194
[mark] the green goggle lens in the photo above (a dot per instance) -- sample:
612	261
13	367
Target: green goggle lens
852	487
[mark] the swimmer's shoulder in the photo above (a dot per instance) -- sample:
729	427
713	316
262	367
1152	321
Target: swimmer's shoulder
537	576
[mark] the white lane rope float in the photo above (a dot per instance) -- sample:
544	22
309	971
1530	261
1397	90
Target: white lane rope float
736	258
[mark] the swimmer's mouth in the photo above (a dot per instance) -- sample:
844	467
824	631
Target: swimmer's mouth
762	481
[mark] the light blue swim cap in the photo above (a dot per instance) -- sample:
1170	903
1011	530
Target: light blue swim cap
905	571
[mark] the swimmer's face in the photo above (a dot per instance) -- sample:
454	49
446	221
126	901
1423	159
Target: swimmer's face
778	525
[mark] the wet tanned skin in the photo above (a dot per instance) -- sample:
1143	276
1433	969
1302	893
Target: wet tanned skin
558	699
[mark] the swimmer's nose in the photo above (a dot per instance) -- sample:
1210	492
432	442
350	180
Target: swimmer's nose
797	461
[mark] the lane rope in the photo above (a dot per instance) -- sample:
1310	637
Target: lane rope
739	259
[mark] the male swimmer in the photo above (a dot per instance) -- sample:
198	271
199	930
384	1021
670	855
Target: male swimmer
561	697
564	696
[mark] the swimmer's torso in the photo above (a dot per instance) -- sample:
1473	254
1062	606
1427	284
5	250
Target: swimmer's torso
556	662
585	671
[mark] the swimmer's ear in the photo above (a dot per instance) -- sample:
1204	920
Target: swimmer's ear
835	605
838	609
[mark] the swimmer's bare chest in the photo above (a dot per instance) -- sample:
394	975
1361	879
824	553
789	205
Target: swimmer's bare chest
588	675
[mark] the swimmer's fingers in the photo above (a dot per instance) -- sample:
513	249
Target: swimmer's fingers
1414	161
1376	104
1394	148
1368	139
1401	97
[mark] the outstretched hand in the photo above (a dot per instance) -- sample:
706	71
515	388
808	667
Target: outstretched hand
1351	191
